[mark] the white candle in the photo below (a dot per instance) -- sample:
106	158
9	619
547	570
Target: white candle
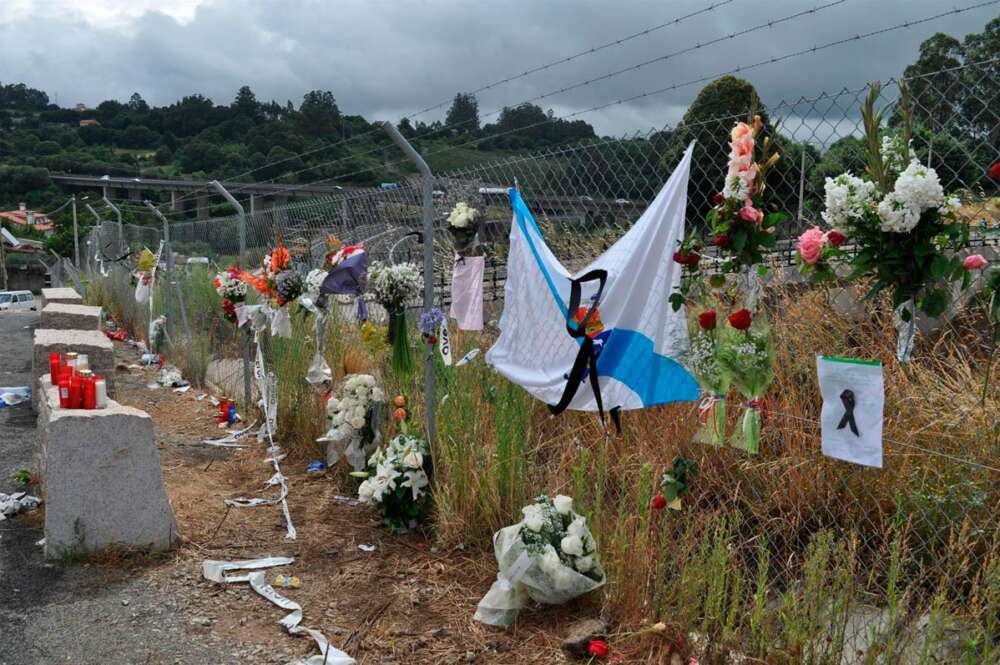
101	390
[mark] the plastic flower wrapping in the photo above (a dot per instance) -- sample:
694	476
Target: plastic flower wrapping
549	556
903	229
393	286
745	355
398	482
352	421
464	227
703	363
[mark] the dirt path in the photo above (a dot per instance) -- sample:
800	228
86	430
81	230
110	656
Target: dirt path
404	602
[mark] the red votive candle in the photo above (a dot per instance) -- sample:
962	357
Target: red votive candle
55	366
64	391
75	392
89	389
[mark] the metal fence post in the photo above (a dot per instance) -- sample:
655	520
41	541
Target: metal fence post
168	248
241	214
121	233
428	223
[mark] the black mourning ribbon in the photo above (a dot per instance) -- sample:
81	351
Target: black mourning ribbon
847	399
586	358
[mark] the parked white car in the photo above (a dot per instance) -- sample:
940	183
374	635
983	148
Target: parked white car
17	301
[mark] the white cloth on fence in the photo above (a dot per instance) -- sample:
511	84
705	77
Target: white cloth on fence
467	291
643	338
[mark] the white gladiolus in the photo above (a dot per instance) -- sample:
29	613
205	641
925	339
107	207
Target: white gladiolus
563	504
846	199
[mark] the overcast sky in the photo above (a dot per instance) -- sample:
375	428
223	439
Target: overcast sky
387	59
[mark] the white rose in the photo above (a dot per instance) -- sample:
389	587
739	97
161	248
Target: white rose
563	504
533	518
578	527
413	459
584	563
550	561
572	545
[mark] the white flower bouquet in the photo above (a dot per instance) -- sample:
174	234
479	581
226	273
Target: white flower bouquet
464	227
393	286
549	556
352	421
399	481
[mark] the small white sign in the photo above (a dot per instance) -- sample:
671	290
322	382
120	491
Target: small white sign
853	400
444	342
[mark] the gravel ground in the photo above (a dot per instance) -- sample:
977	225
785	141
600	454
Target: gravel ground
55	613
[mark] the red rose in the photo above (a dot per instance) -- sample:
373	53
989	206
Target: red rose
707	320
741	319
659	502
598	648
835	238
995	171
686	259
722	240
718	199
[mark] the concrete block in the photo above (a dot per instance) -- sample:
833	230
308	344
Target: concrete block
59	316
62	295
101	479
99	350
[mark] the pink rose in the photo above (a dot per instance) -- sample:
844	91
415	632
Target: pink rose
751	214
810	245
974	262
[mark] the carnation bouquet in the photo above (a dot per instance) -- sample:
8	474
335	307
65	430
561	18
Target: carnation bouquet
900	222
233	291
702	361
464	227
393	286
549	556
352	421
397	486
746	355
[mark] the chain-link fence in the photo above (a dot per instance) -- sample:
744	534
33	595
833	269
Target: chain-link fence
937	498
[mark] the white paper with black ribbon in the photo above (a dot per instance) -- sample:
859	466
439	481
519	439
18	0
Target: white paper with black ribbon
853	400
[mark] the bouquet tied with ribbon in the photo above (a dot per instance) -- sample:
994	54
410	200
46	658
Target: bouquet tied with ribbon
702	360
549	556
746	355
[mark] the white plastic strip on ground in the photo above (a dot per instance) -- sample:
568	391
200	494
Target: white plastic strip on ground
215	571
267	384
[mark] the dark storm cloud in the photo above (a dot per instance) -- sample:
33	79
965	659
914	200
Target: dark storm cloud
390	59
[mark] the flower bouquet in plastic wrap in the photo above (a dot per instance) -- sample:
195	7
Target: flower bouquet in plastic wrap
398	485
746	356
549	556
463	224
702	361
233	291
352	421
393	286
280	284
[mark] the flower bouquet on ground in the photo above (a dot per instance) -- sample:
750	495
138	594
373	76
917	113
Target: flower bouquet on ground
397	486
233	291
703	363
746	355
464	227
549	556
393	286
353	421
903	228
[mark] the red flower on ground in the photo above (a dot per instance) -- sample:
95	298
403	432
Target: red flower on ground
707	320
400	414
718	199
835	238
598	648
659	502
722	240
995	171
741	319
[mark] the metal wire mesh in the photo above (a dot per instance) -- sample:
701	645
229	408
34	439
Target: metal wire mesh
585	197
